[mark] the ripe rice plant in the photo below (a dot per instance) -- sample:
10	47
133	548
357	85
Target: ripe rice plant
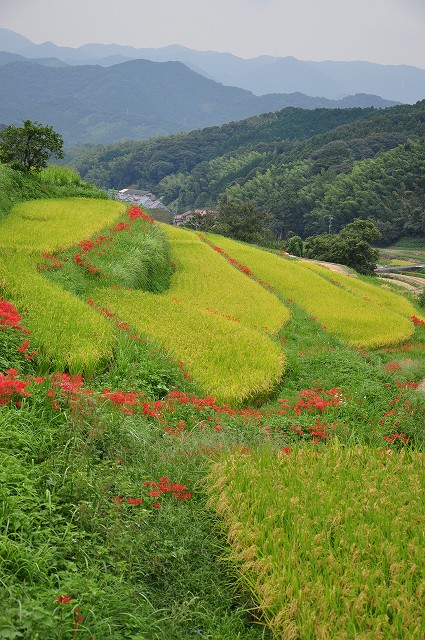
69	334
229	360
204	279
360	322
329	541
52	225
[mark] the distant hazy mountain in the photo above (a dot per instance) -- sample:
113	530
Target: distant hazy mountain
6	57
135	100
261	75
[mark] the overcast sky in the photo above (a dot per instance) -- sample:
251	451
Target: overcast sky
384	31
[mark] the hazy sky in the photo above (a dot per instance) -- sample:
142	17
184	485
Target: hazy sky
384	31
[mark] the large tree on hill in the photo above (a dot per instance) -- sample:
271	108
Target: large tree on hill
350	246
243	221
29	147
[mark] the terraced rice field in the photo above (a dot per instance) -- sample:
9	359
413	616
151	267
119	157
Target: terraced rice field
228	359
357	312
151	412
52	225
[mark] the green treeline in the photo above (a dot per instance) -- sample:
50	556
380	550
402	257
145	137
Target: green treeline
388	189
145	163
309	170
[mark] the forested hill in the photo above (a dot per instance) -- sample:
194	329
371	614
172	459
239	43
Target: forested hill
144	164
135	100
299	166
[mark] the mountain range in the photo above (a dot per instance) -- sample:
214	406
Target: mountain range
260	75
134	100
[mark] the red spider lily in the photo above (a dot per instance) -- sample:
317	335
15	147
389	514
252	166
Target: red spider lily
78	618
24	346
85	265
286	450
396	436
178	490
407	385
10	317
64	599
54	260
121	226
133	501
392	367
67	382
137	213
417	320
87	245
10	387
310	399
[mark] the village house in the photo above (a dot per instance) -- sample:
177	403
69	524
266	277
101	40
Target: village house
181	218
141	198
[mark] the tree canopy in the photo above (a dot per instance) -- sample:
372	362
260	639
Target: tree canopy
350	246
29	147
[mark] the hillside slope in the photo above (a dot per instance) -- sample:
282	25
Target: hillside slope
107	530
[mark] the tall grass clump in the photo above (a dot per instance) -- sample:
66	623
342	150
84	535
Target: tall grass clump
133	253
329	541
64	182
59	176
16	187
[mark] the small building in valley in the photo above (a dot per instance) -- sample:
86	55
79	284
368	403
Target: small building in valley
181	218
142	198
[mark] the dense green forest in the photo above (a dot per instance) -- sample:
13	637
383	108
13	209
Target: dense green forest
145	163
309	170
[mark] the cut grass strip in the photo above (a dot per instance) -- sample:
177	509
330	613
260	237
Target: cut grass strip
233	362
53	225
204	279
70	336
331	541
360	322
